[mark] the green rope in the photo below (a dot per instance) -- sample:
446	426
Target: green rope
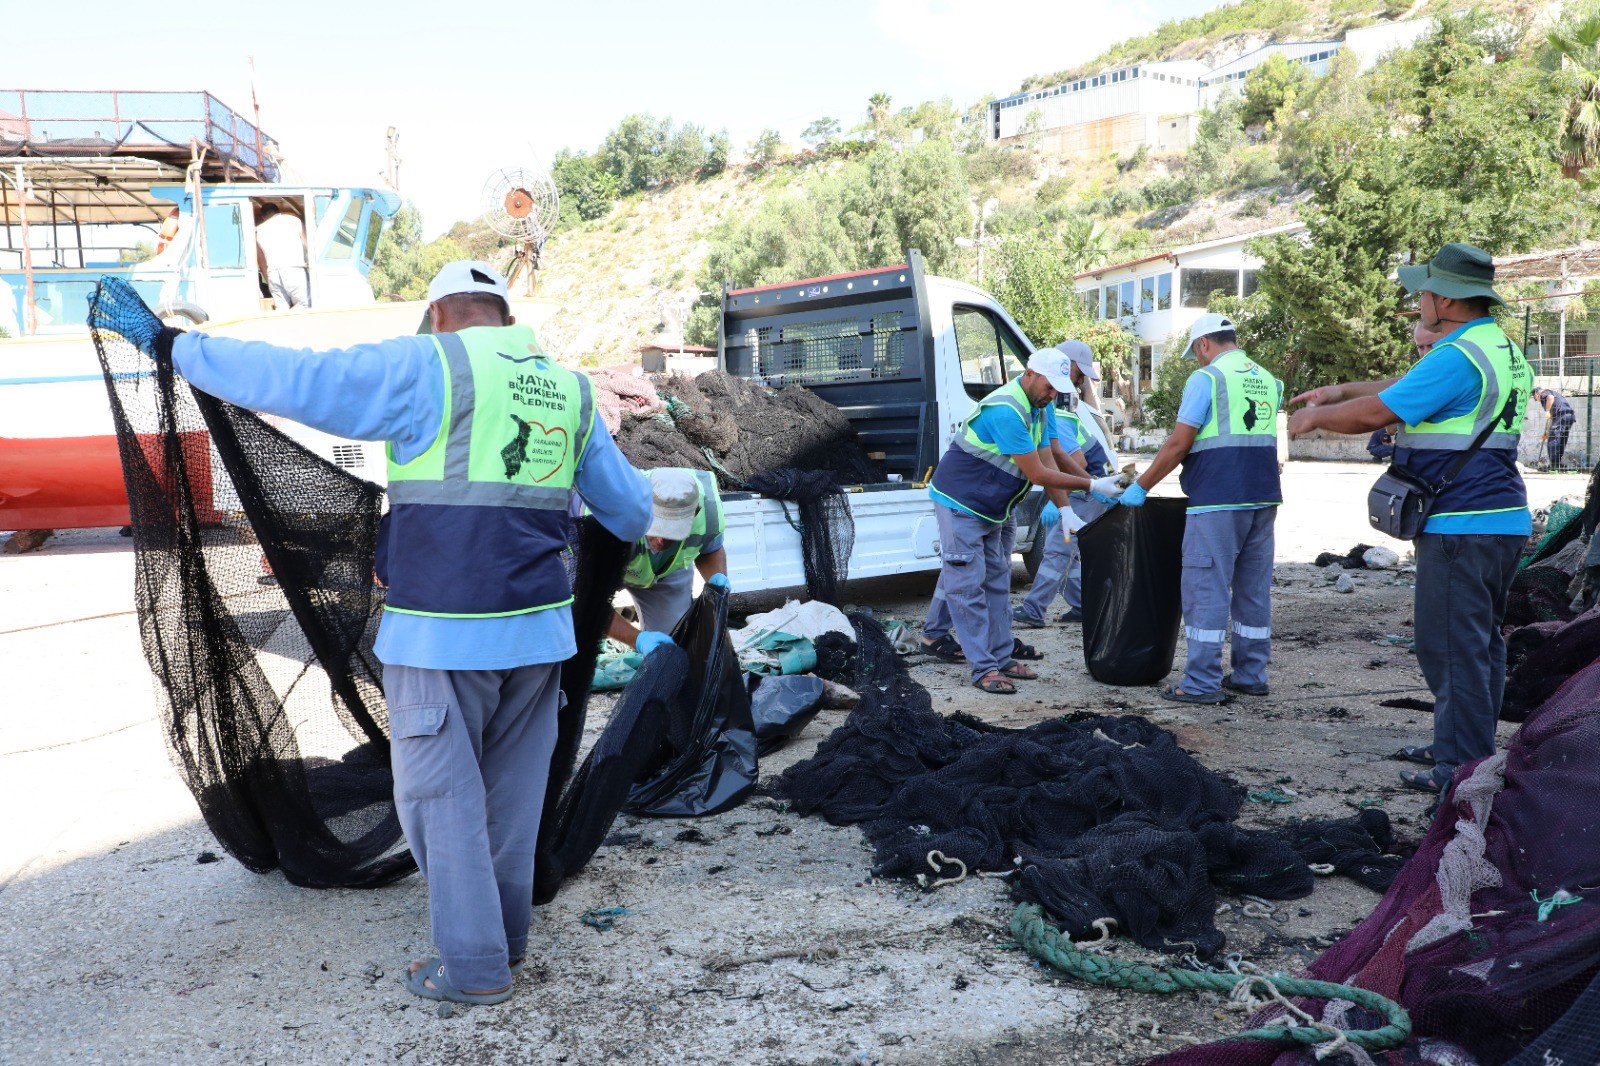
1048	944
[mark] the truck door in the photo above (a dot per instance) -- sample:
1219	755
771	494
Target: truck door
989	352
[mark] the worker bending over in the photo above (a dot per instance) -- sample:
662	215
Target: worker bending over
686	528
1005	448
1226	438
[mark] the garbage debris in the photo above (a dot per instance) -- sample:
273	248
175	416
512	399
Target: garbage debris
781	708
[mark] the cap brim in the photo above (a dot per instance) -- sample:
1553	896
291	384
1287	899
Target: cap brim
1412	277
670	528
1087	371
1417	279
1059	382
1188	350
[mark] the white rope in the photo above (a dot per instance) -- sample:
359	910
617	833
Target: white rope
937	861
1244	997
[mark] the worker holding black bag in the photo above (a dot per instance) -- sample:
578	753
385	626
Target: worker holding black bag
1455	488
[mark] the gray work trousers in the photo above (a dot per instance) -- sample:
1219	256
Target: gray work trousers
471	752
1227	574
974	591
1061	568
664	603
1462	584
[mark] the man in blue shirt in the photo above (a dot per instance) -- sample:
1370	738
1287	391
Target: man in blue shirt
1561	418
1003	450
1226	437
472	686
1473	379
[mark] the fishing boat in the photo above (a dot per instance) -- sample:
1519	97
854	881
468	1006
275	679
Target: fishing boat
166	190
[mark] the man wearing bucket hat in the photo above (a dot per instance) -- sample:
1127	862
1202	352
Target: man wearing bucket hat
1226	438
995	458
686	528
1060	569
1473	379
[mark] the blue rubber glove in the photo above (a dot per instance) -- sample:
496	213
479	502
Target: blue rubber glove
720	580
1134	496
1050	515
649	641
1109	501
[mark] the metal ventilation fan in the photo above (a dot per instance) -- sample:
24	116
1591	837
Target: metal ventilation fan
522	205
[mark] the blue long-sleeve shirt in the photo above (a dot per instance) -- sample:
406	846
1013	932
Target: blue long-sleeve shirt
394	391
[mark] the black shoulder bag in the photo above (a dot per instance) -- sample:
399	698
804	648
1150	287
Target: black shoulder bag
1400	501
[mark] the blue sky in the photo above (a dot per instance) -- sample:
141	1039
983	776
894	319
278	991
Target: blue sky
473	87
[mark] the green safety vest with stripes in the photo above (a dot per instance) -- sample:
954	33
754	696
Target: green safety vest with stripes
708	526
977	474
1234	458
1489	482
477	523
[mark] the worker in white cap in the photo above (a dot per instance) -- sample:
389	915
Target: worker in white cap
685	536
488	438
1061	568
1003	450
1226	438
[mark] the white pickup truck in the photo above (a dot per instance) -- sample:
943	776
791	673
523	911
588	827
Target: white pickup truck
906	357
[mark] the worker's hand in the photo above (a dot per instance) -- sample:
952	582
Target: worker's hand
720	581
1109	501
1050	515
1106	486
1302	422
649	641
1070	524
1134	497
1320	396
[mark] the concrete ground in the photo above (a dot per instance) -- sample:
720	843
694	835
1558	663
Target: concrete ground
754	937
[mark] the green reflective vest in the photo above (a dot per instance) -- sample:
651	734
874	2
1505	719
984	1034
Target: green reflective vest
708	526
1234	458
976	473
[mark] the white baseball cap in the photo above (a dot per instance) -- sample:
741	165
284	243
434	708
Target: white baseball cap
1055	366
674	501
1205	326
1082	354
468	275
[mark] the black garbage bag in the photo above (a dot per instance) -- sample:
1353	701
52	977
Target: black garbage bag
1132	601
782	707
707	758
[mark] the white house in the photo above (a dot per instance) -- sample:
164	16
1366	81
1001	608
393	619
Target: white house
1154	104
1157	296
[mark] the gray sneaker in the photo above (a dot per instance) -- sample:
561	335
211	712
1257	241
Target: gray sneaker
1022	618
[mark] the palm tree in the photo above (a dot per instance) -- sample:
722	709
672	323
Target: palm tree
878	110
1573	48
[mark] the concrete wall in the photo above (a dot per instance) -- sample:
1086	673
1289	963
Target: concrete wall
1581	451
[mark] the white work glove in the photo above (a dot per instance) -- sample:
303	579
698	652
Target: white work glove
1107	486
1070	524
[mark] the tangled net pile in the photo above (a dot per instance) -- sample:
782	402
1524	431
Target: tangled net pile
1098	816
268	690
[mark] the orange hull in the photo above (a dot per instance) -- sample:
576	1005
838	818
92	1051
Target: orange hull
76	482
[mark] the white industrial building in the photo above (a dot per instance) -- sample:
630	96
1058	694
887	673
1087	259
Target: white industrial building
1158	296
1155	104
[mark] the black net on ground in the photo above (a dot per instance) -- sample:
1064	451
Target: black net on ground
1354	559
1109	817
259	631
827	530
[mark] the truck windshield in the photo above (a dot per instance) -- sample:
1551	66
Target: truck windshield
991	354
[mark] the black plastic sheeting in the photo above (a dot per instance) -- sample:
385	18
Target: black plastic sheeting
709	762
782	707
1132	598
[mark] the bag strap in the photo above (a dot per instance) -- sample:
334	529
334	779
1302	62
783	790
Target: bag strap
1456	467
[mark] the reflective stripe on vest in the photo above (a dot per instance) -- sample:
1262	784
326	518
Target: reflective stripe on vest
977	474
1234	458
477	523
1489	481
708	526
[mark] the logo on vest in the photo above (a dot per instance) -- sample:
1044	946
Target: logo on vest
1257	393
541	451
537	390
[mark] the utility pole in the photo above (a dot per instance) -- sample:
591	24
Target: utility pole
393	152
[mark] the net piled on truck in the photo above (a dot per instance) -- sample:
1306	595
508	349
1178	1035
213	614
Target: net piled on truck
1101	816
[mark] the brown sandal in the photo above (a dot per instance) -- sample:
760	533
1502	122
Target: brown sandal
1017	672
995	685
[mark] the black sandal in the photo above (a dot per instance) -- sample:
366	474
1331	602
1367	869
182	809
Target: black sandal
1423	780
945	648
1026	652
995	686
1417	753
1017	672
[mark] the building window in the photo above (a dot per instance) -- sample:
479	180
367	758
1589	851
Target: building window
1164	292
1251	283
1125	298
1091	302
1147	295
1108	309
1200	285
1147	375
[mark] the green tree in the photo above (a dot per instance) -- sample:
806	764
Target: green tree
820	132
1033	281
766	148
878	110
1274	85
586	192
405	264
717	147
684	155
632	152
1573	52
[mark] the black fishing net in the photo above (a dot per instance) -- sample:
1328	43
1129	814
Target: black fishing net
1100	816
827	530
259	631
